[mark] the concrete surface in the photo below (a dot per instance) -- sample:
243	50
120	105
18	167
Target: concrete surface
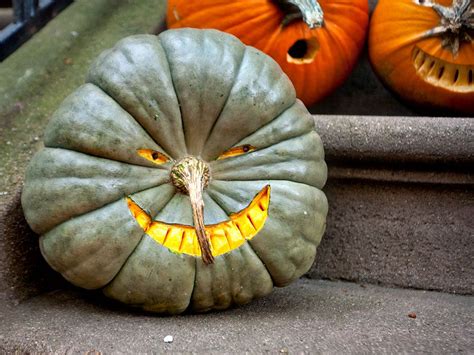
404	234
306	317
401	197
436	143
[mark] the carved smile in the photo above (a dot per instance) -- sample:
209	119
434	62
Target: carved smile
224	236
441	73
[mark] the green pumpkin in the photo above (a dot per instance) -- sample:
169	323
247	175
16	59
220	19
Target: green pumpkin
103	192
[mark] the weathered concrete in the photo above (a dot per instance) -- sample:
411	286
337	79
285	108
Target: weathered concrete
436	143
401	197
306	317
410	235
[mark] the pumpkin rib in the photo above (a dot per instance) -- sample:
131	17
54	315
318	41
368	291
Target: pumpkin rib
177	98
280	86
109	87
49	181
220	167
89	121
144	235
225	102
270	145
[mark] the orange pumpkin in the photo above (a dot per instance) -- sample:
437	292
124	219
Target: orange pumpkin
424	51
316	44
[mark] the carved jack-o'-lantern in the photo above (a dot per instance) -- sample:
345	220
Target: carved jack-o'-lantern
316	42
172	182
424	51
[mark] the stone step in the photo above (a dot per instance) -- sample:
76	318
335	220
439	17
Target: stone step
401	197
307	317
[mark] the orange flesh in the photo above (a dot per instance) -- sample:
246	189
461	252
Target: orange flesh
224	236
232	152
153	156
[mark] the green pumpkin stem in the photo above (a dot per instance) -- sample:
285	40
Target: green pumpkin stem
191	176
309	10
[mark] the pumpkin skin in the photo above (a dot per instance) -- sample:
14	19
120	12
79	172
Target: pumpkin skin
332	49
165	94
418	68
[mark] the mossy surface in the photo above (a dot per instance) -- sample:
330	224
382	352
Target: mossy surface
38	76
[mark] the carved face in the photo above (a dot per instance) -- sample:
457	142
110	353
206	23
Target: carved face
224	236
423	50
316	43
114	206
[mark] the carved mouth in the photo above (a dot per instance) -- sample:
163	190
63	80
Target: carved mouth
224	236
441	73
303	51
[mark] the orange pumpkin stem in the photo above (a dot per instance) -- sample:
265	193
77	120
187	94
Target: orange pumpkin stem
190	176
309	10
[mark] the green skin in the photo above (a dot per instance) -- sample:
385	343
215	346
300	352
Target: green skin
166	93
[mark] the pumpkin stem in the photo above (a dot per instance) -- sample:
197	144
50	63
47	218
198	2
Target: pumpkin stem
191	176
309	10
456	23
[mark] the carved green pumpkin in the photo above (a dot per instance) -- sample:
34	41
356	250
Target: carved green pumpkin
166	128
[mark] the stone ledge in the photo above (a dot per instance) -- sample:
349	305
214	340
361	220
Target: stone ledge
401	196
305	317
438	142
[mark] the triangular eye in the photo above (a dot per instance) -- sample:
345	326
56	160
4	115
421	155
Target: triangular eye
153	156
234	151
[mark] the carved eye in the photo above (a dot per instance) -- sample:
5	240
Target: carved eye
153	156
232	152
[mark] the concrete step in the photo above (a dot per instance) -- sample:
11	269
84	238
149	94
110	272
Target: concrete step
307	317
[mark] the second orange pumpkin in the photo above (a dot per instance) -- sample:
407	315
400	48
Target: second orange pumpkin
316	44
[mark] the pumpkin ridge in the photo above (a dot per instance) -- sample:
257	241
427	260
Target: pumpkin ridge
238	25
260	148
105	205
281	81
225	102
50	180
256	180
242	141
223	168
120	48
143	208
177	97
66	130
125	262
